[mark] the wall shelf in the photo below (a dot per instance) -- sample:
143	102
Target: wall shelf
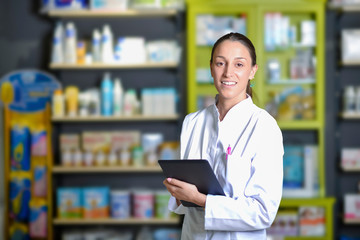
350	63
352	221
105	169
112	66
112	221
125	13
115	118
350	115
350	169
345	8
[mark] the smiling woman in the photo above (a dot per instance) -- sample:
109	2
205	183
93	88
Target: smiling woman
243	145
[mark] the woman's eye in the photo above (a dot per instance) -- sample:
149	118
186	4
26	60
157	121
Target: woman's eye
219	64
239	65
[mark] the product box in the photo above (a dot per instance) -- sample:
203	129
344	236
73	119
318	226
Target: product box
120	139
69	202
109	5
96	141
96	202
312	221
352	206
350	157
286	223
69	141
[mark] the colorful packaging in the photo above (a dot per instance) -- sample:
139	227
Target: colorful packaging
20	148
69	202
38	143
120	204
19	231
161	204
20	184
96	202
143	204
40	181
38	219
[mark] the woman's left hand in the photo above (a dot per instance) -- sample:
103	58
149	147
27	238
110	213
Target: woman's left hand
184	191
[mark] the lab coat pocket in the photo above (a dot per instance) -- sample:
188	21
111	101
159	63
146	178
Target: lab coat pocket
238	173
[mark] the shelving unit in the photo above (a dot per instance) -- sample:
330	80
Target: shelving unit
105	169
109	221
344	126
255	10
169	25
111	66
115	118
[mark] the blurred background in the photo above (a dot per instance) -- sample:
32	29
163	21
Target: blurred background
94	92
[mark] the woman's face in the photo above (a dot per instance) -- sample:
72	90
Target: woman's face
231	70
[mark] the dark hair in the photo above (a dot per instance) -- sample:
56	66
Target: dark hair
238	37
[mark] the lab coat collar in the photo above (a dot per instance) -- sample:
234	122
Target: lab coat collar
241	109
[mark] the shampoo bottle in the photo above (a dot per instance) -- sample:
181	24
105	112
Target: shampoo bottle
107	47
70	43
107	96
57	53
96	45
118	97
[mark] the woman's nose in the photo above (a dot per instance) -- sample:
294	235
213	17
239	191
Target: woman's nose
228	71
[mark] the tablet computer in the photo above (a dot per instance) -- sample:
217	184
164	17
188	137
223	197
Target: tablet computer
194	171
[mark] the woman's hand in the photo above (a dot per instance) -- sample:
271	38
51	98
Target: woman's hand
184	191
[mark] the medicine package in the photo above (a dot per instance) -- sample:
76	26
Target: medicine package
350	45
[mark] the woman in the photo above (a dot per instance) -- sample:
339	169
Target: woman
242	143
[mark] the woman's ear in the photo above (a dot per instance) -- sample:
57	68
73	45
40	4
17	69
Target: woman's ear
253	71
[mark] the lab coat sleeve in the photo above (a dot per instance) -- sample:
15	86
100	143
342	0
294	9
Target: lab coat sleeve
257	207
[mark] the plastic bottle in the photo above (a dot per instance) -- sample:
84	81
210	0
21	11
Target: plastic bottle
112	158
96	46
118	97
88	158
125	156
106	96
58	103
130	102
70	43
57	52
349	100
100	158
107	47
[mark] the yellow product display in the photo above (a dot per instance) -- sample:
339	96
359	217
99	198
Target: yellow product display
20	183
7	93
38	219
19	231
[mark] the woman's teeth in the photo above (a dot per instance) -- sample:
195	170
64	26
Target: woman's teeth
229	83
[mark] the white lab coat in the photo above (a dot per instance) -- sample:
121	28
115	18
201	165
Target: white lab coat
251	176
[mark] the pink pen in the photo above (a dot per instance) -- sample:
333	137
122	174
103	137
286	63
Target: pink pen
228	151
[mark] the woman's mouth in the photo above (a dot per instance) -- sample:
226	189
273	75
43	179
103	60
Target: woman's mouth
228	83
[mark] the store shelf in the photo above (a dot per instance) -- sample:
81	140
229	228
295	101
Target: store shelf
292	81
299	125
352	221
125	13
345	8
350	115
111	221
350	63
350	169
115	118
104	169
112	66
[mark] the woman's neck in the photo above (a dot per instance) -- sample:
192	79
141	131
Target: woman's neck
224	106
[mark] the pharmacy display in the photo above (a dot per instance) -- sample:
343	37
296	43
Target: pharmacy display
26	95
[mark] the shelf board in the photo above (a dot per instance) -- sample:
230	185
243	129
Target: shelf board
110	13
299	124
112	221
105	169
115	118
350	169
292	81
350	63
345	8
352	221
112	65
350	115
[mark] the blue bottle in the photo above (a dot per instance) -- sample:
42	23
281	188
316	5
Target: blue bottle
106	96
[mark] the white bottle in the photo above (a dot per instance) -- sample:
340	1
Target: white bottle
125	156
112	158
118	97
88	158
78	158
349	100
100	158
57	51
129	102
70	43
107	47
96	46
